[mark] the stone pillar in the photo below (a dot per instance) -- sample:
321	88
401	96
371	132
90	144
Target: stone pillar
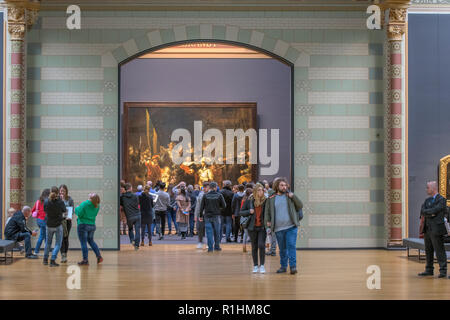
20	15
394	206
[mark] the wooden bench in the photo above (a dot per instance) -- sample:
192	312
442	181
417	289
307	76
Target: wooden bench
5	247
419	244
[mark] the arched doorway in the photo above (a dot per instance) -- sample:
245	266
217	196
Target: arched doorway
223	84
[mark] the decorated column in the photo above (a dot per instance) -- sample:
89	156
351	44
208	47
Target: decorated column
394	205
21	14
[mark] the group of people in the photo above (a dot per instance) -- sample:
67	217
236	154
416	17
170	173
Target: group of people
53	213
253	210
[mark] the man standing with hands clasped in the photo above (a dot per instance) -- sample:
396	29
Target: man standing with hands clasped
281	215
434	209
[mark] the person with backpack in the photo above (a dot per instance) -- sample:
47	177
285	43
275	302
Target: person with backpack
210	211
244	231
253	211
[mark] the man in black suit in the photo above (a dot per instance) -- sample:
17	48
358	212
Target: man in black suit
433	210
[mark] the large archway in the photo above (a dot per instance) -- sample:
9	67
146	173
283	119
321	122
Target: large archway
164	77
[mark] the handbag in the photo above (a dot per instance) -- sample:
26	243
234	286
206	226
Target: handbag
245	221
300	214
34	214
447	226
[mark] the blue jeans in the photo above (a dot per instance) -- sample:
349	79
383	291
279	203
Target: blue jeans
86	235
227	221
287	240
172	217
136	222
26	238
212	226
42	234
58	231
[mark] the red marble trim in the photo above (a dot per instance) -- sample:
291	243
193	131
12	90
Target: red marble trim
396	233
16	133
396	208
396	183
15	158
396	158
396	83
16	83
15	183
396	133
16	58
396	108
396	58
16	108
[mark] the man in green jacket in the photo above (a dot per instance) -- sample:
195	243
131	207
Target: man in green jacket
87	213
281	215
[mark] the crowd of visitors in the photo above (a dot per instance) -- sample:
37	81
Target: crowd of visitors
258	213
54	212
249	212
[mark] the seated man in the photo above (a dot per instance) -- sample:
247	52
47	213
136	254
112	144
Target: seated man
17	230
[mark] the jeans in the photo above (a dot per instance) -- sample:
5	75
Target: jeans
42	234
25	237
172	217
86	235
227	221
136	222
287	240
160	222
258	240
212	226
237	227
65	241
191	223
58	231
149	228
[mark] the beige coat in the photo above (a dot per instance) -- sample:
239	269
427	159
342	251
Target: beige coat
184	204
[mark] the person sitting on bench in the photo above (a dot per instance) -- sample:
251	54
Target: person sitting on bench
17	230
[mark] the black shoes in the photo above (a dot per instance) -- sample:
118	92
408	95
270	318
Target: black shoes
442	275
424	274
217	249
229	240
281	270
293	270
84	263
53	263
45	262
31	256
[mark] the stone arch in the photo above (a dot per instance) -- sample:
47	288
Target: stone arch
159	38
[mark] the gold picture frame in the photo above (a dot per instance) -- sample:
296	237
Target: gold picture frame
443	177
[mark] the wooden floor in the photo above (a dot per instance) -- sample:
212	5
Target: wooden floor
180	271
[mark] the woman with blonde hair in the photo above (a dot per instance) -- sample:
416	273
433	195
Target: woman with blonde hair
87	213
253	208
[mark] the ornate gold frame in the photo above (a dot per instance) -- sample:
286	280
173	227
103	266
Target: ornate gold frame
443	163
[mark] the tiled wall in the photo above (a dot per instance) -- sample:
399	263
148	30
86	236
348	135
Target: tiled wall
73	92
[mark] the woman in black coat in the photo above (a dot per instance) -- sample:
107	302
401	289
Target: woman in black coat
253	207
147	216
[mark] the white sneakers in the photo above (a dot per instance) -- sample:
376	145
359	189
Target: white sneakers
261	269
199	245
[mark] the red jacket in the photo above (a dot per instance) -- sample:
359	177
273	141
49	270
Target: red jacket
39	207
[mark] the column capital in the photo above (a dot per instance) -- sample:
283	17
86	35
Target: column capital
21	14
396	26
